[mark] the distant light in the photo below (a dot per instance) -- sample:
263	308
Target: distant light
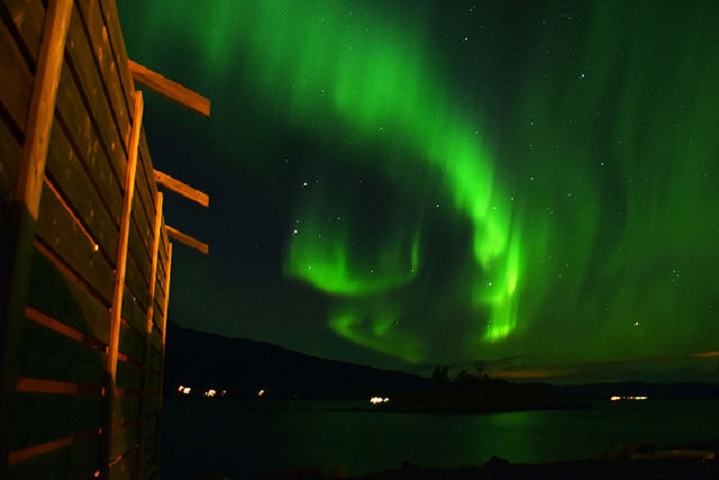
210	393
186	390
260	393
378	400
616	398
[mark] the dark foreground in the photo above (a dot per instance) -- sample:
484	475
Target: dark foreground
627	462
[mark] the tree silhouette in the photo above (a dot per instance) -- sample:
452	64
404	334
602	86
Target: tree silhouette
440	374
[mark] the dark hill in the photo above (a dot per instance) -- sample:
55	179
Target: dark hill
205	361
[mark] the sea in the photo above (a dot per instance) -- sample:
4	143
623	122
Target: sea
242	438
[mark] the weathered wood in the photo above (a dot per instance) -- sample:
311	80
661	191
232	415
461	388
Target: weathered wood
170	89
67	172
132	313
59	327
72	457
49	355
27	17
40	418
17	245
42	106
37	385
132	343
57	292
128	376
57	230
91	13
118	52
78	128
113	346
155	361
157	238
123	439
127	407
91	85
15	82
135	281
10	149
126	467
187	240
166	288
182	188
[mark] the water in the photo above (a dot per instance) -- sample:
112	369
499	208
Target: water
240	438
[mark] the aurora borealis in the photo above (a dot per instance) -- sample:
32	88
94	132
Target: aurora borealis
409	183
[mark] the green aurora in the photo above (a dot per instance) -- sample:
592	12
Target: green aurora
480	180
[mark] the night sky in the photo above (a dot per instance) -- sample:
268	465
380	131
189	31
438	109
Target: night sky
533	184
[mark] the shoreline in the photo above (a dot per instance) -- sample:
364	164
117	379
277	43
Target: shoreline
630	461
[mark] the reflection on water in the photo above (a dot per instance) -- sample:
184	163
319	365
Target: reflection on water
241	437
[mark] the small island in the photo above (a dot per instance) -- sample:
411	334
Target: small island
477	392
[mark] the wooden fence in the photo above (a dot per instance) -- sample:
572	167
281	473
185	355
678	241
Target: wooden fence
85	255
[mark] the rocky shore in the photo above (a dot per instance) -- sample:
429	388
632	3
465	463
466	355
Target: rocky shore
637	462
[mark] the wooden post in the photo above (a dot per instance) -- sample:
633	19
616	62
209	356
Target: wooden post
166	287
15	267
119	290
148	332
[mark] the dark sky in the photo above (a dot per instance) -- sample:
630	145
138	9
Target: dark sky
406	183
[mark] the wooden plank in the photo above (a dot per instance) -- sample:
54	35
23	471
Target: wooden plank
157	316
119	288
38	385
123	241
53	324
17	241
118	52
128	376
59	233
48	355
79	129
132	343
135	281
76	458
169	89
27	18
132	313
155	361
146	181
124	439
15	82
40	418
67	173
126	467
150	425
157	237
150	449
187	240
10	149
99	41
153	382
18	245
182	188
90	83
127	408
42	106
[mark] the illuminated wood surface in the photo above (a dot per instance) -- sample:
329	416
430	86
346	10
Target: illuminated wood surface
182	188
172	90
